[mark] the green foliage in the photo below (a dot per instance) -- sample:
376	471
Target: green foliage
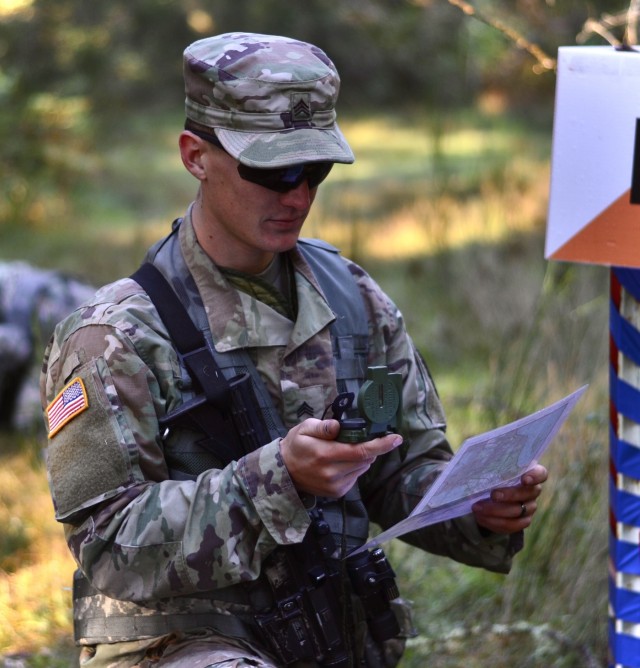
552	607
56	657
13	541
72	72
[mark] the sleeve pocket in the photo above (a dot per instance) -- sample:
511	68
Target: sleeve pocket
87	458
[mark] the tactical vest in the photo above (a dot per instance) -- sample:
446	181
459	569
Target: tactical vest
343	522
349	335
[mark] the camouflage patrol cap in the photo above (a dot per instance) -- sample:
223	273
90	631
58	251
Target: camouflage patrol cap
271	100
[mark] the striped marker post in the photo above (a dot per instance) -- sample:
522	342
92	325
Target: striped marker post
624	547
594	217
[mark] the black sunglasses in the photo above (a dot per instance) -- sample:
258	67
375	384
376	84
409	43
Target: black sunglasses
280	179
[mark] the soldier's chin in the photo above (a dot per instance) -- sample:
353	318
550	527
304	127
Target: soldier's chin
283	238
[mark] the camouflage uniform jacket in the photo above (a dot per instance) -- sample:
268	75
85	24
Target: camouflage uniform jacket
157	544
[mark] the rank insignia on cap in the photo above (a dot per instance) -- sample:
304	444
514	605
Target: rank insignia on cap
301	109
71	401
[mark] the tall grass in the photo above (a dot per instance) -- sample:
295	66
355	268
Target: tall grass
35	565
449	217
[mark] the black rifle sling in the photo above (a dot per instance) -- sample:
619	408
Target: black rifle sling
188	339
225	411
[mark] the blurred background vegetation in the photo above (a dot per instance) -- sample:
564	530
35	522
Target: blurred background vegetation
451	119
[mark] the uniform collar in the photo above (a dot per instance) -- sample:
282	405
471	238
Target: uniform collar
236	319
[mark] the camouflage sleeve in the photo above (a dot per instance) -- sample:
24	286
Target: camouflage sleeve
397	482
135	533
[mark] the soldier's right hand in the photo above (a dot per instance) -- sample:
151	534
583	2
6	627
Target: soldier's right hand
320	465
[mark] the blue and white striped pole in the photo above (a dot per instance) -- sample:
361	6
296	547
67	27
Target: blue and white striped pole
624	393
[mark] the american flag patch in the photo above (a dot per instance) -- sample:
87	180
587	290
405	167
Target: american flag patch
71	401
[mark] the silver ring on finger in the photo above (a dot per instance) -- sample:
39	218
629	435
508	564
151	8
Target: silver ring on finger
523	512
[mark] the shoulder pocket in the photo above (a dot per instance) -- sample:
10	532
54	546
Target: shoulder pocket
87	457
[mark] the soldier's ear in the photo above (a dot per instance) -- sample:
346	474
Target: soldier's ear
192	151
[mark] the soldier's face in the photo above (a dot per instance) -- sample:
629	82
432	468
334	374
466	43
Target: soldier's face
242	223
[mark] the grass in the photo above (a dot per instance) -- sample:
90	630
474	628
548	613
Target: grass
35	566
449	216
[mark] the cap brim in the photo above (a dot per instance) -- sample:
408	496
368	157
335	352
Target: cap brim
288	147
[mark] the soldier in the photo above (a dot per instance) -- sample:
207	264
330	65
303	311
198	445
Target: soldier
32	301
208	503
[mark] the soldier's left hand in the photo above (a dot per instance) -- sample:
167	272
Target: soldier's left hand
510	509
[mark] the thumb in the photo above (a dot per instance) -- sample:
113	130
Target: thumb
327	430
